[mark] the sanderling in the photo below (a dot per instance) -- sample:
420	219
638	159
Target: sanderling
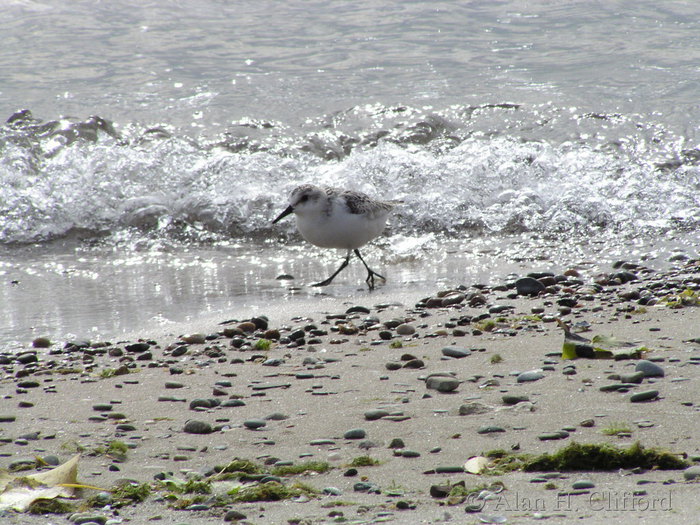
332	218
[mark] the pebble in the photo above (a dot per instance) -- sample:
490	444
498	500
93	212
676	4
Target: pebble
355	433
372	415
548	436
647	395
649	369
405	329
528	286
234	515
530	375
194	339
582	484
87	517
490	429
457	353
636	377
692	473
198	427
442	383
254	424
510	399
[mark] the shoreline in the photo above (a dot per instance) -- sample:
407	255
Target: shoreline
349	366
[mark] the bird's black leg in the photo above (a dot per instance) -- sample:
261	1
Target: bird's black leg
370	273
342	267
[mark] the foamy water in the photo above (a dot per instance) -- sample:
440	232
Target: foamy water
511	143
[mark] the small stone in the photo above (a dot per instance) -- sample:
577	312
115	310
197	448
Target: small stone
405	329
414	363
137	347
636	377
5	418
173	385
102	407
530	375
528	286
692	473
490	429
234	515
442	383
647	395
470	409
372	415
254	424
194	339
549	436
198	427
649	369
582	484
87	518
410	454
457	353
510	399
355	433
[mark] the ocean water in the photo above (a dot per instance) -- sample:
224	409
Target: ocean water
146	149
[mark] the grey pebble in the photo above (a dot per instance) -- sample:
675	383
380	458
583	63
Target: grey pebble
530	375
649	369
442	383
405	329
490	429
355	433
510	399
692	473
457	353
234	515
229	403
254	424
548	436
372	415
636	377
582	484
173	385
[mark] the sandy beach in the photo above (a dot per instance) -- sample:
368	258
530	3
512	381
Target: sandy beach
341	381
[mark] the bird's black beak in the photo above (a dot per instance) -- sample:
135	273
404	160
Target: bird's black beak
283	214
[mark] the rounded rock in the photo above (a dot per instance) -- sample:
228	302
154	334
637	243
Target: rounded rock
355	433
457	353
530	375
442	384
649	369
254	424
528	286
405	329
647	395
198	427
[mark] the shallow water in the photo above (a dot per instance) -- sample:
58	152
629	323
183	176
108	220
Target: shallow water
519	136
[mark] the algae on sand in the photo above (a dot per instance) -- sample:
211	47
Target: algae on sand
604	456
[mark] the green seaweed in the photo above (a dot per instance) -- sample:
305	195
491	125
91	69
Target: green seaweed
603	457
270	491
363	461
128	493
291	470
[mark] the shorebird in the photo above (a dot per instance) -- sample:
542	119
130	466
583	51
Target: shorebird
332	218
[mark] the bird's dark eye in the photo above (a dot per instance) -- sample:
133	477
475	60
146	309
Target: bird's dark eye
304	198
